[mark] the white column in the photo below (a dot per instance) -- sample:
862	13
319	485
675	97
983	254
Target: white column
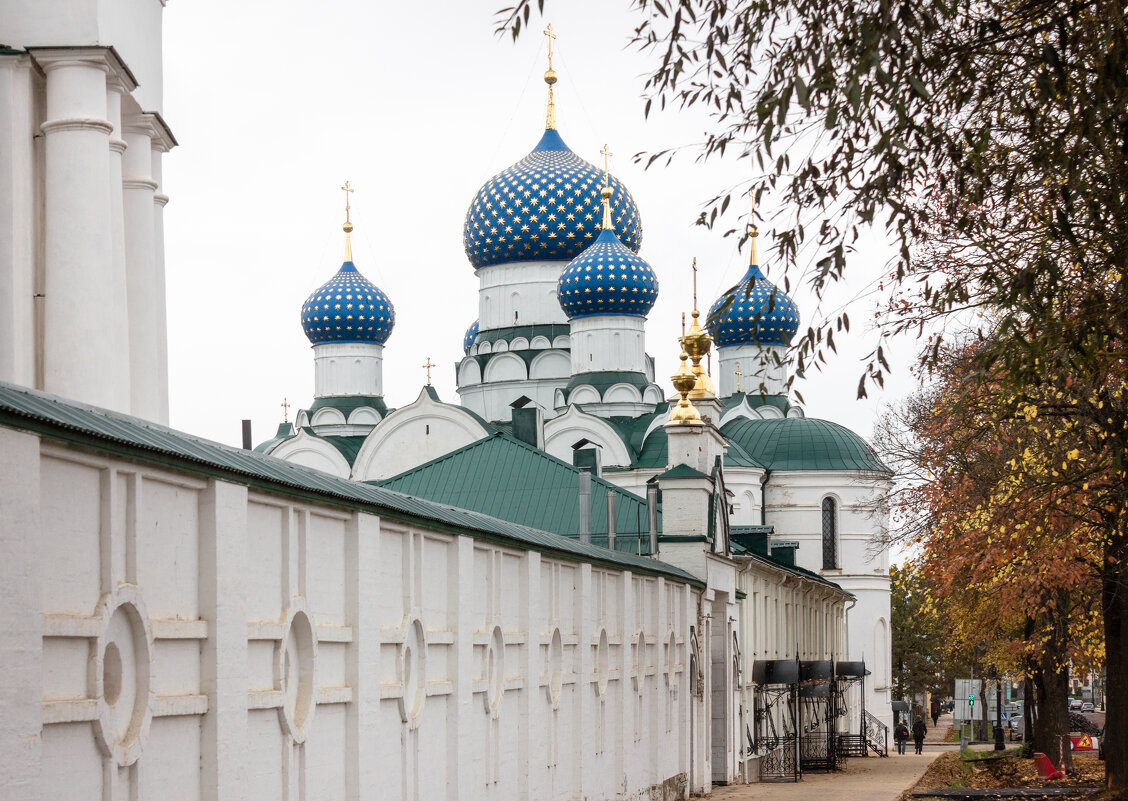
118	323
141	259
161	145
78	230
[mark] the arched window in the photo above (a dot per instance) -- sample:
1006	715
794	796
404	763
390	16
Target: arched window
830	534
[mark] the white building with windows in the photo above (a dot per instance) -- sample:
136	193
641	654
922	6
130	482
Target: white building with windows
561	585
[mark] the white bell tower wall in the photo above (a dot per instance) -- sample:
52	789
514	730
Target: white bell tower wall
348	368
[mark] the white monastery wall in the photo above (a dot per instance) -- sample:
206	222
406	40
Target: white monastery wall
180	637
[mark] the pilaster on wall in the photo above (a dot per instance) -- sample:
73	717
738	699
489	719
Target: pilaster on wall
21	648
223	661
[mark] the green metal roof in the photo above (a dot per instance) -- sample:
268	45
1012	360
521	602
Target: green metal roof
655	453
506	478
802	443
604	380
682	471
348	447
133	438
347	404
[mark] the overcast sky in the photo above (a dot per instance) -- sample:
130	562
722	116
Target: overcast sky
276	104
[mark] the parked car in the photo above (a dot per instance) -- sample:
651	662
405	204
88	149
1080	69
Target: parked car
1087	706
1074	703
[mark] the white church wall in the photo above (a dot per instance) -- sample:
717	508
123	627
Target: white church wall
760	366
314	452
794	507
412	435
608	343
519	293
247	644
348	368
565	430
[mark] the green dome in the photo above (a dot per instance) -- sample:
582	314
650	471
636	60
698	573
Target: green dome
800	443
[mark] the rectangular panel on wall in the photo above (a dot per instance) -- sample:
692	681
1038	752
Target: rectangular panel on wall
265	753
172	759
168	549
70	519
325	569
264	586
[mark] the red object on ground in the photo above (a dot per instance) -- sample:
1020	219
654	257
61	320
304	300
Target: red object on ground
1082	743
1046	769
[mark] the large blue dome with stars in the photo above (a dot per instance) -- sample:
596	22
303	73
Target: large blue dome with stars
348	308
546	207
754	312
607	278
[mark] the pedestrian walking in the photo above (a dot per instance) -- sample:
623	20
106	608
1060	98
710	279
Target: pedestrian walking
918	735
901	736
935	710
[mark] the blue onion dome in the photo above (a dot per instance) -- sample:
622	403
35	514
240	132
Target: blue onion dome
607	278
754	312
468	339
546	207
348	308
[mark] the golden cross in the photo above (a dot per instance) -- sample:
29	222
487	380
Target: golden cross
738	375
683	325
428	365
348	190
607	154
695	283
548	32
285	411
753	231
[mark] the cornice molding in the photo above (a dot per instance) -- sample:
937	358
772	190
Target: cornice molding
77	124
106	58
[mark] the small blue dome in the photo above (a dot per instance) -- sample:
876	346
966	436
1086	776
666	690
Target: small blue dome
754	312
348	308
546	207
468	340
607	278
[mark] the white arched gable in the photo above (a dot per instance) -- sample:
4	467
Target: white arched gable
301	419
558	399
313	452
469	372
743	410
485	347
622	393
519	343
770	412
540	343
561	433
364	416
652	394
328	416
584	394
552	364
505	367
414	434
501	346
881	654
563	342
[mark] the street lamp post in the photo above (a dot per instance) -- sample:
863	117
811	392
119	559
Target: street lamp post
999	744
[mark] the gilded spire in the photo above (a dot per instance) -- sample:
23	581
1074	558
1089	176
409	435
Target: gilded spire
550	79
347	227
605	192
697	344
753	231
684	381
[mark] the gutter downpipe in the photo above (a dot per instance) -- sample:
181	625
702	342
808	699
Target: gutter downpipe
652	517
585	506
611	497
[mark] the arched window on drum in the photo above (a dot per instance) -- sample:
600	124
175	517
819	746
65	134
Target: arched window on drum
830	533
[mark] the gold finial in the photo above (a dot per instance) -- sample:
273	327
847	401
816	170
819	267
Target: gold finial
684	381
285	410
753	231
697	344
683	324
739	373
605	192
427	366
550	79
348	226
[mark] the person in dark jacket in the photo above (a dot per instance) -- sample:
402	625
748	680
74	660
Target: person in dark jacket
935	710
901	736
918	735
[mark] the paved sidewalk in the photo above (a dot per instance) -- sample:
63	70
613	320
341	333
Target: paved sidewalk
869	779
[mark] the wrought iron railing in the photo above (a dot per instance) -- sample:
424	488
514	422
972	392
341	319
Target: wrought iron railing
877	735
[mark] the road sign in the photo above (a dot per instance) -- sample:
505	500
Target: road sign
967	690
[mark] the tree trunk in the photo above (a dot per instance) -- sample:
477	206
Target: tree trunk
1028	716
1051	678
1114	601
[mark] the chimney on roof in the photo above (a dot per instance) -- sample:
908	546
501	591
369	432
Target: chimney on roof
652	514
585	506
528	422
247	435
587	455
612	495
